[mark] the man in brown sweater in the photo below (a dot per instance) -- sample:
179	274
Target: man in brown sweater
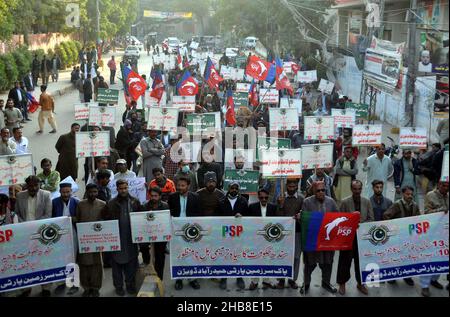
47	110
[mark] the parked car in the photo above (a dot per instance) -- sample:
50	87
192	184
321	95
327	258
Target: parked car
132	51
250	42
174	44
134	41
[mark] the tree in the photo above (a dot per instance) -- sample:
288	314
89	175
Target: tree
7	19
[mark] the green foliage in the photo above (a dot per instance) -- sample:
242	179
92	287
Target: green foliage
3	78
7	22
61	51
11	73
40	53
22	63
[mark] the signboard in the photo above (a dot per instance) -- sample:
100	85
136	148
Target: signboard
222	247
241	61
136	188
319	128
232	73
287	67
184	103
270	96
109	96
413	138
403	248
82	110
445	163
367	135
102	116
194	45
100	236
92	144
292	103
326	86
245	156
163	119
281	163
362	110
344	118
151	226
317	156
248	180
35	253
14	169
306	77
240	99
283	119
264	143
243	87
202	123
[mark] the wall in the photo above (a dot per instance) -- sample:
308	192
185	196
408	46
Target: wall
36	41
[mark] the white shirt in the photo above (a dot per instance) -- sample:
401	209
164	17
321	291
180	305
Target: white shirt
31	208
126	175
263	210
66	211
19	94
21	146
232	202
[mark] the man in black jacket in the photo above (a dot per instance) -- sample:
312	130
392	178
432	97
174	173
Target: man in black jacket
29	82
184	204
233	205
88	89
18	95
35	69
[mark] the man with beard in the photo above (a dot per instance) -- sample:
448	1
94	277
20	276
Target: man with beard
379	203
210	197
67	161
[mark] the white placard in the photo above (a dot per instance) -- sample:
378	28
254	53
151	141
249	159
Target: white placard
281	163
287	66
100	236
194	45
292	103
163	119
283	119
445	163
326	86
243	87
136	188
248	156
92	144
317	155
82	110
319	128
413	138
306	76
151	226
14	169
367	135
104	116
344	118
232	73
270	96
184	103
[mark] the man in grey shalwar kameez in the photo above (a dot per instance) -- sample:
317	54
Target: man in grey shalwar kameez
319	203
152	152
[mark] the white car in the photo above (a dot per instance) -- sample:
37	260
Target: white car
132	51
132	40
250	42
174	44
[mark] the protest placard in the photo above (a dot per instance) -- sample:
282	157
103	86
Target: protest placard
362	110
326	86
228	247
413	138
306	76
319	128
264	143
292	103
240	99
317	156
14	169
92	144
269	96
100	236
403	248
35	253
283	119
163	119
232	73
281	163
367	135
104	116
243	87
109	96
82	110
200	123
344	118
184	103
136	188
247	156
151	226
445	163
248	180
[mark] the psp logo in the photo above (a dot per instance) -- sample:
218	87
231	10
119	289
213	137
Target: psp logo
232	231
419	228
344	231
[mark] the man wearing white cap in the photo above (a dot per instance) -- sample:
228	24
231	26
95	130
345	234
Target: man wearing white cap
425	65
122	170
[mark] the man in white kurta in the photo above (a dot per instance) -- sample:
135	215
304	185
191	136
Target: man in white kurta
377	167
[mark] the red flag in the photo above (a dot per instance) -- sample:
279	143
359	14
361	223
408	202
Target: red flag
295	68
136	85
212	76
282	80
230	116
258	68
254	98
158	86
187	86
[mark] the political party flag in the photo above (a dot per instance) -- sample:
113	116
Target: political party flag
230	116
33	104
135	83
212	77
281	79
157	86
253	95
179	59
295	68
329	231
187	86
260	69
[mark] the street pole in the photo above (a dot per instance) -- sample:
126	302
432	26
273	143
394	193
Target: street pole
98	21
412	65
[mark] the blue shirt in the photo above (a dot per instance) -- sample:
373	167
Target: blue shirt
183	203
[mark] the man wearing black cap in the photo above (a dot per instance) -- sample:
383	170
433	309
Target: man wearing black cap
91	272
233	205
210	196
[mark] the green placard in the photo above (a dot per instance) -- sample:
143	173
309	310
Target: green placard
199	123
248	180
273	143
240	61
362	110
240	99
110	96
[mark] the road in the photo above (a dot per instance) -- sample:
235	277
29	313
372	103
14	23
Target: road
42	146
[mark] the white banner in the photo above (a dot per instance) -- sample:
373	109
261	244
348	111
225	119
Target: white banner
367	135
100	236
136	188
326	86
319	128
14	169
270	96
184	103
82	110
151	226
243	87
344	118
413	138
283	119
163	119
104	116
306	76
92	144
317	156
281	163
